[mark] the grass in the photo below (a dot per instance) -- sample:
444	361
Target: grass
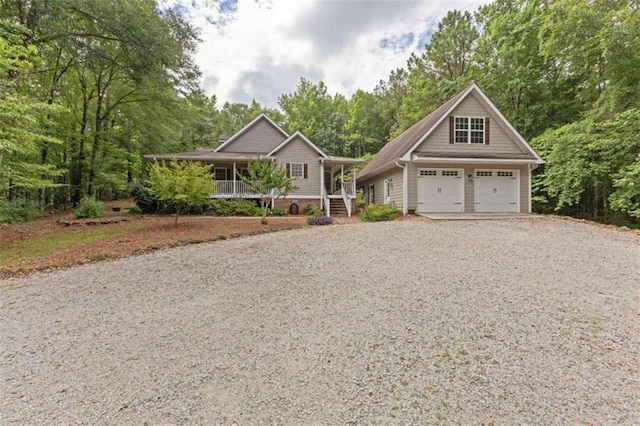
25	250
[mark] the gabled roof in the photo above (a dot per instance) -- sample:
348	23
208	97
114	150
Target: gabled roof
292	137
246	128
401	147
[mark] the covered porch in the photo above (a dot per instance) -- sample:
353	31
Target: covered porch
338	185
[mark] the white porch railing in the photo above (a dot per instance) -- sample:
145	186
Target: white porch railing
349	188
345	197
231	188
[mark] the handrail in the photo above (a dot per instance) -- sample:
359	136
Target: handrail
345	198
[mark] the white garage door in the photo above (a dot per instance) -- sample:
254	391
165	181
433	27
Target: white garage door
440	190
496	190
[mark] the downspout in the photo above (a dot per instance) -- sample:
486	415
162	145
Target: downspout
405	189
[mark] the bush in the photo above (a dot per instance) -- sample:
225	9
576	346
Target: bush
378	213
312	210
320	220
89	207
276	211
20	210
146	201
233	207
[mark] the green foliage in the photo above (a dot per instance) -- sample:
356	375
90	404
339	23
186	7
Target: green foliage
183	183
626	196
233	207
267	180
313	210
360	201
378	213
146	201
317	114
89	207
19	210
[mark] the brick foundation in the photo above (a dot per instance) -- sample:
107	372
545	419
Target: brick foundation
285	203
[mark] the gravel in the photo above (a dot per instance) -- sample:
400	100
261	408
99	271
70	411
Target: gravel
417	321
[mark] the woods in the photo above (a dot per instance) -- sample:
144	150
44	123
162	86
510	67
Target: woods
87	88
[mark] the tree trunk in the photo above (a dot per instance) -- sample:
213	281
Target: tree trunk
175	223
264	213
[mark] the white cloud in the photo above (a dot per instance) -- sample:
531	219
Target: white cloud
260	48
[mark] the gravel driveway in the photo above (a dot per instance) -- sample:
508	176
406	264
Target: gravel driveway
409	322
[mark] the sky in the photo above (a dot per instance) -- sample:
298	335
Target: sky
259	49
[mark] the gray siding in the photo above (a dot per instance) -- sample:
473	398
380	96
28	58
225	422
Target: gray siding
298	151
396	186
500	141
262	137
469	169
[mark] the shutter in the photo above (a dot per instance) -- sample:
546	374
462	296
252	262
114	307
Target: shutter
487	126
305	169
452	129
288	170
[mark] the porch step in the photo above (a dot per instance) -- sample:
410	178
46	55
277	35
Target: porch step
337	207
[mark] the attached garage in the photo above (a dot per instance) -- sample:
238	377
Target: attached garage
440	190
496	190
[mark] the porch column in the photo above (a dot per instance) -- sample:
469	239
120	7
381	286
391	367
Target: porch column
322	189
333	188
234	178
341	177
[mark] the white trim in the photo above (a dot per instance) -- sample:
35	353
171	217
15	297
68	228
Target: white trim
386	191
247	127
469	130
405	189
407	155
418	159
516	173
304	138
530	188
322	189
492	107
291	163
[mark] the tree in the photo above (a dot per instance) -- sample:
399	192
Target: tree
185	183
317	114
268	181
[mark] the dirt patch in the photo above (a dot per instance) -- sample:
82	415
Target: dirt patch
132	234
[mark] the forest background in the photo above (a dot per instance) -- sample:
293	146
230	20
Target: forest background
87	88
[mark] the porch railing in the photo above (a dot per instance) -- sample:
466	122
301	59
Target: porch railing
231	187
346	188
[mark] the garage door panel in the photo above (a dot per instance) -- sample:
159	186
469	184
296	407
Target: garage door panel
440	190
496	190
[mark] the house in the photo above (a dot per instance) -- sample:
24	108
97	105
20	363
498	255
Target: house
463	157
320	179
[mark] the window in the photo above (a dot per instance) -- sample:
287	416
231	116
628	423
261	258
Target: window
387	191
220	173
296	170
428	173
469	130
243	171
505	174
483	174
372	196
450	173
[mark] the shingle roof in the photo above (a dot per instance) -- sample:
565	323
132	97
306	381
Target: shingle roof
205	154
399	146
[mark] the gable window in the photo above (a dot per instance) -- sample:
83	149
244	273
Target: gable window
469	130
297	170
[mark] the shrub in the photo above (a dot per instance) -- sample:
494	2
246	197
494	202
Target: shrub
146	201
377	213
233	207
312	210
89	207
276	211
320	220
19	210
